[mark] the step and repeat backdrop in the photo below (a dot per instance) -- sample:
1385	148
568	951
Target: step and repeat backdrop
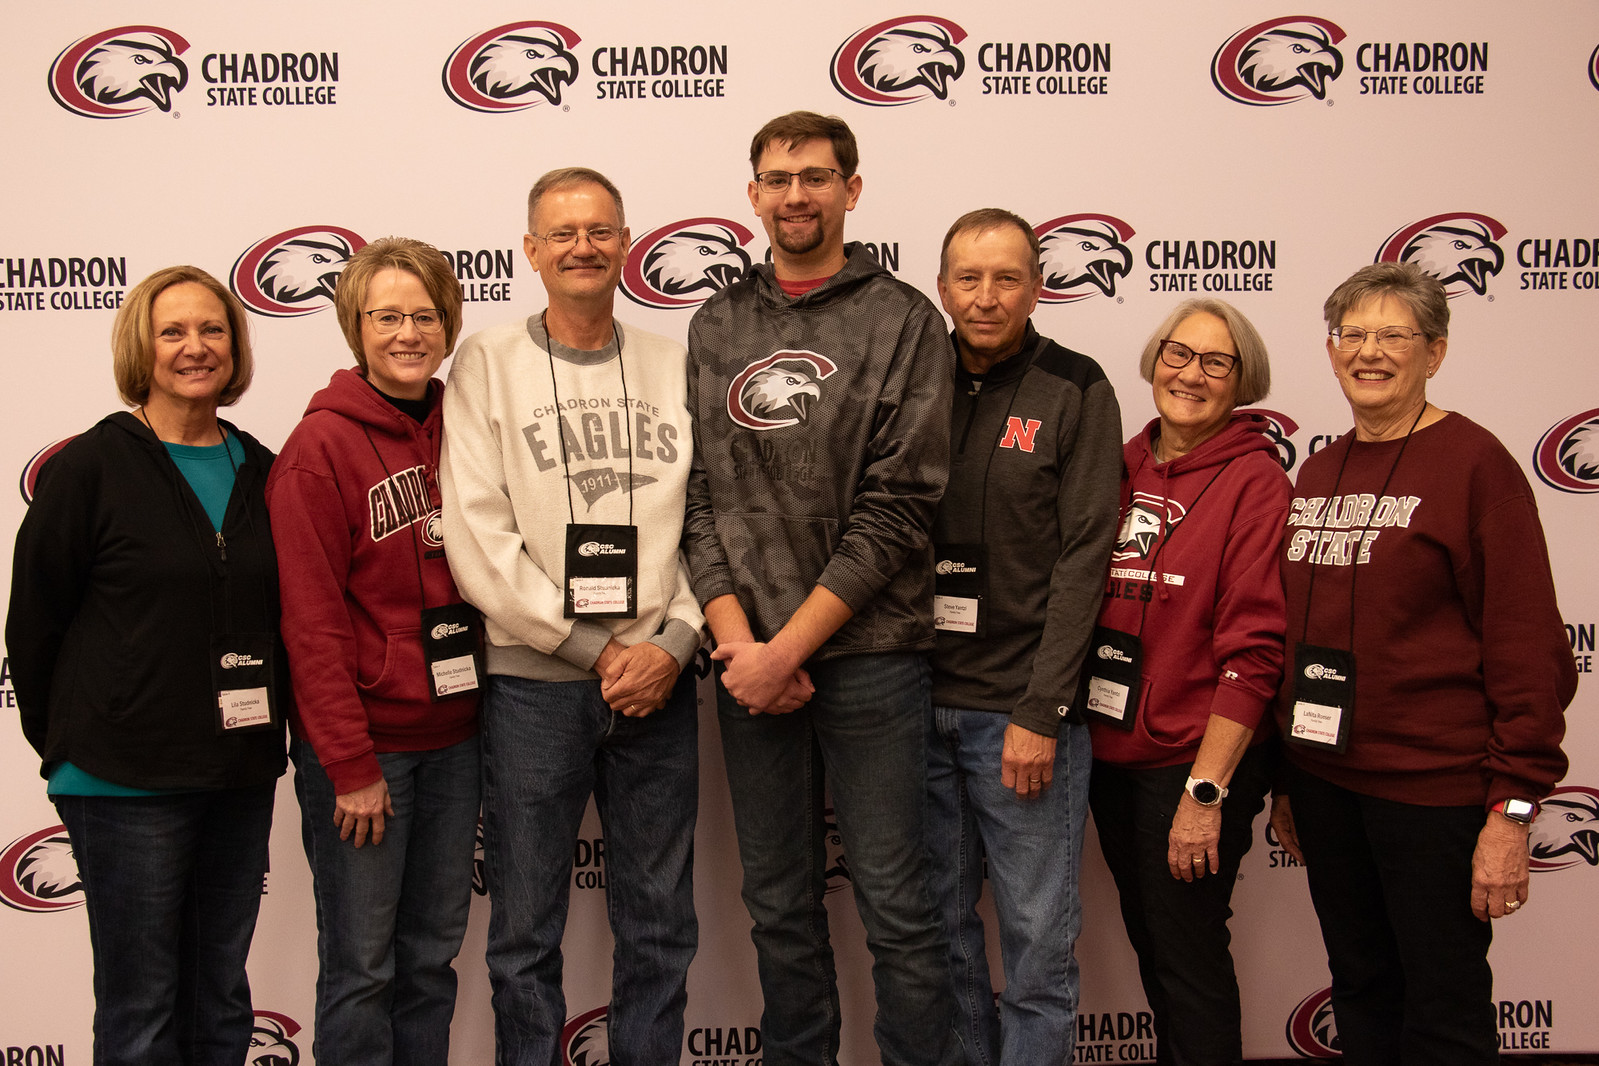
1254	151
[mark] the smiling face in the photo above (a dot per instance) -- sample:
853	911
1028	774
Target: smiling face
579	273
400	364
1193	407
1385	391
989	289
192	347
806	229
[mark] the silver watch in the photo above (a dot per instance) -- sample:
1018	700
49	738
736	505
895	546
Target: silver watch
1206	792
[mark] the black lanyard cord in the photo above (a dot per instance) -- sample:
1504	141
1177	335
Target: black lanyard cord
416	549
627	417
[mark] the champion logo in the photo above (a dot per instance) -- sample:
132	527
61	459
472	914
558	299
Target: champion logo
586	1039
1279	427
1323	672
899	61
684	263
1105	651
39	873
595	547
512	67
950	566
293	273
120	73
1082	256
1311	1030
1566	831
1279	61
1460	249
779	390
30	470
1567	456
235	659
433	530
272	1040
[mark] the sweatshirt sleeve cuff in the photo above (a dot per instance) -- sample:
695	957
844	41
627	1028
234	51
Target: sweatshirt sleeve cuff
711	584
583	644
347	775
1238	705
679	640
1041	718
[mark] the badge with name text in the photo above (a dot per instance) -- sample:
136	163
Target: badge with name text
1324	698
1112	678
601	571
242	678
452	648
960	583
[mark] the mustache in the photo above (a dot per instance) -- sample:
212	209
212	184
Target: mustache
576	262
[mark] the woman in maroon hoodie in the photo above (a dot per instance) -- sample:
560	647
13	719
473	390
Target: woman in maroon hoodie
384	664
1187	655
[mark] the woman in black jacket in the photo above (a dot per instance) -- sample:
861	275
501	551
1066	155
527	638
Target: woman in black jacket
142	634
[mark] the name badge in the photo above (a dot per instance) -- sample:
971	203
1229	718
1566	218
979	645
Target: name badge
960	583
1324	698
243	678
601	571
1113	678
452	648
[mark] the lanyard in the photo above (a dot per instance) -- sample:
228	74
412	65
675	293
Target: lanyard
627	417
416	549
1170	531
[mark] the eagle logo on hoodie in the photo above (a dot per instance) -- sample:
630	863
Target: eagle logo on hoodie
778	391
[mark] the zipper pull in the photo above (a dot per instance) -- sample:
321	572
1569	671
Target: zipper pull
222	546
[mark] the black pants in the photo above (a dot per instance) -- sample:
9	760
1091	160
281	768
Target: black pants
1392	886
1179	928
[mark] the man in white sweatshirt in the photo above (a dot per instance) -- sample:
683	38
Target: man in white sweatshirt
566	460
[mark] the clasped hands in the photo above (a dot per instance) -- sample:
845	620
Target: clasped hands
761	680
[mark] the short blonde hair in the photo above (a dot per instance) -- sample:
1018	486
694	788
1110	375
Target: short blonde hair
1254	368
417	258
133	340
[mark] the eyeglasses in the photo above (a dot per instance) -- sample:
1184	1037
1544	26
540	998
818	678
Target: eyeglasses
811	179
597	236
1390	339
388	320
1213	364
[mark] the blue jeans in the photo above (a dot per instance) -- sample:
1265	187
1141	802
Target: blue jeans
867	725
547	746
390	917
172	885
1034	849
1391	883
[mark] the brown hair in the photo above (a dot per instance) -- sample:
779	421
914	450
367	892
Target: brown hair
569	176
797	127
417	258
1420	291
133	341
983	220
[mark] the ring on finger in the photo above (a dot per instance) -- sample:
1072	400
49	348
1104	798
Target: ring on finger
1512	904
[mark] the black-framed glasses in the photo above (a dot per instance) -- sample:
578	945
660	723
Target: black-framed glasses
1390	339
388	320
1213	364
811	179
597	236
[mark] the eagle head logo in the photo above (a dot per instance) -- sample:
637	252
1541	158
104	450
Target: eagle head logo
837	873
293	273
899	61
30	472
38	872
1082	256
681	264
120	72
1461	250
1311	1030
1278	429
1567	456
271	1041
1566	831
512	67
1278	61
1146	516
586	1039
1593	67
779	390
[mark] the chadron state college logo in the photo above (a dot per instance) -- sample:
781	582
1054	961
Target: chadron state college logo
586	1039
779	390
30	473
293	273
1567	457
1460	249
39	873
1311	1030
1082	256
900	61
119	73
1566	831
1279	61
684	263
1146	515
1593	67
272	1040
512	67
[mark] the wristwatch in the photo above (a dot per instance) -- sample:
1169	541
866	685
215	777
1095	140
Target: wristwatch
1206	792
1517	810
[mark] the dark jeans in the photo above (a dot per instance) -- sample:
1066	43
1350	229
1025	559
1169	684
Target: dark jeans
172	885
1179	928
1392	887
868	726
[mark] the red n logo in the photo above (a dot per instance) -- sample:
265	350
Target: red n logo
1019	434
